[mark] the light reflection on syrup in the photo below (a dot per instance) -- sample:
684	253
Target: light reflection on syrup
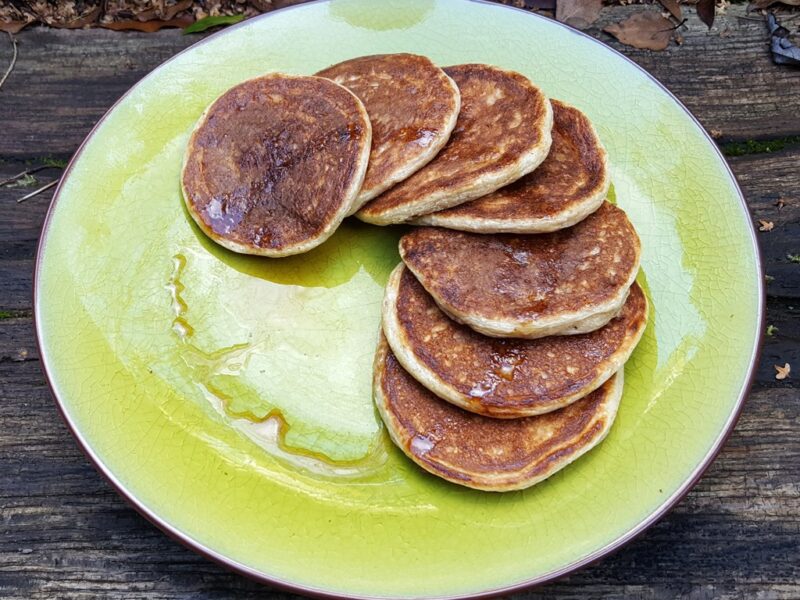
269	432
505	362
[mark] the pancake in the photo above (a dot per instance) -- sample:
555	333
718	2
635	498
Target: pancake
568	186
412	105
502	133
567	282
503	378
484	453
275	164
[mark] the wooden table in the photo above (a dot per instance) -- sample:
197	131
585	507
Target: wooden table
65	534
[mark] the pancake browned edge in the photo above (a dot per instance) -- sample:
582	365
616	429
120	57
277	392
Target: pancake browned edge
502	133
275	164
567	187
503	378
413	106
567	282
480	452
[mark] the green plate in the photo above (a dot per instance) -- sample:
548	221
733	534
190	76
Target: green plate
228	397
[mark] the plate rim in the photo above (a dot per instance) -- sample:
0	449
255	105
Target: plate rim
254	574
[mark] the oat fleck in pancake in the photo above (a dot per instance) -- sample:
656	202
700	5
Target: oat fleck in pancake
502	133
275	164
412	105
503	378
484	453
568	186
566	282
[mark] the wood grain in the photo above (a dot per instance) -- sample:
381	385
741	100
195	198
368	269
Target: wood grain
65	80
65	534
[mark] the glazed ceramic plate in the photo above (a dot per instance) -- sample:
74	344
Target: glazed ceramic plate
228	397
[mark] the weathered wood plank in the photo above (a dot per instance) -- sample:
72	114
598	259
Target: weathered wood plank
725	76
65	80
65	534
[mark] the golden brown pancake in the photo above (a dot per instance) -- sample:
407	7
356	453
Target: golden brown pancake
502	133
275	163
413	106
481	452
568	186
503	378
507	285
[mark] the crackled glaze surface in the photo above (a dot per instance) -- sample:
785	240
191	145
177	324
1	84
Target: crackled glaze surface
164	348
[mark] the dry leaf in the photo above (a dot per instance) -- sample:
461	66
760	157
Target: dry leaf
147	26
673	7
766	225
706	10
716	134
578	13
171	11
13	26
781	202
782	372
163	13
643	30
78	22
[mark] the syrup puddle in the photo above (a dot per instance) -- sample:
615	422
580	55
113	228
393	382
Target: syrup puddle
270	431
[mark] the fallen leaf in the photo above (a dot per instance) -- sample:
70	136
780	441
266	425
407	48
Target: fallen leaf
784	52
769	278
766	225
146	26
171	11
80	21
673	7
647	30
771	330
210	22
706	10
781	202
13	26
782	372
795	258
578	13
716	134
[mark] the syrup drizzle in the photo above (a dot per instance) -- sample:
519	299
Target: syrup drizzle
269	432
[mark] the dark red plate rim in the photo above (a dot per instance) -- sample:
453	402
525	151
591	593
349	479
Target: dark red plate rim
615	545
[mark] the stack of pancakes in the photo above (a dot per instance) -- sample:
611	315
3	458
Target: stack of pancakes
507	324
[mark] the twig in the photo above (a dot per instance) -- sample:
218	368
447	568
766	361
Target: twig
676	26
13	59
44	188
